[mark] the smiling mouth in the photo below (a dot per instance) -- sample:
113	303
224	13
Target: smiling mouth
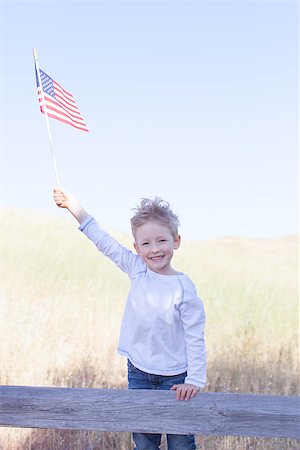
157	258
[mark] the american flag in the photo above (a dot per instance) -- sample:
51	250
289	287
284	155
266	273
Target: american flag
59	103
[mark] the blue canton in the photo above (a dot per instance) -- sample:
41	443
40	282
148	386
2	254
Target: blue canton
47	84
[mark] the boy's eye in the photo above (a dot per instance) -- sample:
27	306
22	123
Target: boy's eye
145	243
162	240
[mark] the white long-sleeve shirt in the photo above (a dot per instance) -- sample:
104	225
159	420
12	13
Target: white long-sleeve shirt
162	331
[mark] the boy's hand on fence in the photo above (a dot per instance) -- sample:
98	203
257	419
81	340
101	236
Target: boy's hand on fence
185	391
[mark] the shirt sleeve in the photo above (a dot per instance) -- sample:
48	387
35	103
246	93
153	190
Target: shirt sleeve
193	319
125	259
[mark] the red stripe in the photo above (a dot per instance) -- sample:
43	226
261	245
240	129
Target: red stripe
72	105
48	107
65	121
65	99
65	110
68	93
62	110
69	98
59	110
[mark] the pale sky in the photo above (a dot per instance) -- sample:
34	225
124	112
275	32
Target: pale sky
192	101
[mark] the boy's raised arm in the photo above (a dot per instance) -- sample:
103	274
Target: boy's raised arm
66	200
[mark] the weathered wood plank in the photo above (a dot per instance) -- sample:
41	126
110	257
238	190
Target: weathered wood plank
149	411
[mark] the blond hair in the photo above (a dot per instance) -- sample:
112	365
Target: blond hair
156	210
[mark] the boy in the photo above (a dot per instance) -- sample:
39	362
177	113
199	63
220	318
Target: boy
162	333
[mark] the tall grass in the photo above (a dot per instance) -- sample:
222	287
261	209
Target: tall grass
62	304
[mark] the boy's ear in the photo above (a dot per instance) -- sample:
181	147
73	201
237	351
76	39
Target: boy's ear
136	247
177	241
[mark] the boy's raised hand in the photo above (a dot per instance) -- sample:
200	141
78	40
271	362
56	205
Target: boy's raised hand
185	391
65	200
61	198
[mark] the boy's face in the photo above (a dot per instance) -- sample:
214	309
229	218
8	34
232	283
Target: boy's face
155	245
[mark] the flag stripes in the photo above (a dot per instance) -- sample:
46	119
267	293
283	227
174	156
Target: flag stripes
59	103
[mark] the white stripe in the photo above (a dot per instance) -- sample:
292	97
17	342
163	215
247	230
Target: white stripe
66	119
71	108
46	97
65	94
60	112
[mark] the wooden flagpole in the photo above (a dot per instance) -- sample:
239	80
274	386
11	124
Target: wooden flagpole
46	116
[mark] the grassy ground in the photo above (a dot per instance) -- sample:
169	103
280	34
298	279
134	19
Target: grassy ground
62	304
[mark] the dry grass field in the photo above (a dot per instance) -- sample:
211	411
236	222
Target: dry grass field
62	302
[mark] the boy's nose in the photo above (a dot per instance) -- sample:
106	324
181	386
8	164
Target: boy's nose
154	248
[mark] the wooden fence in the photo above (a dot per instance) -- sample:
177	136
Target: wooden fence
150	411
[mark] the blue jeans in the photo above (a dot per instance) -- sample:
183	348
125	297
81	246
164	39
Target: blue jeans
138	379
